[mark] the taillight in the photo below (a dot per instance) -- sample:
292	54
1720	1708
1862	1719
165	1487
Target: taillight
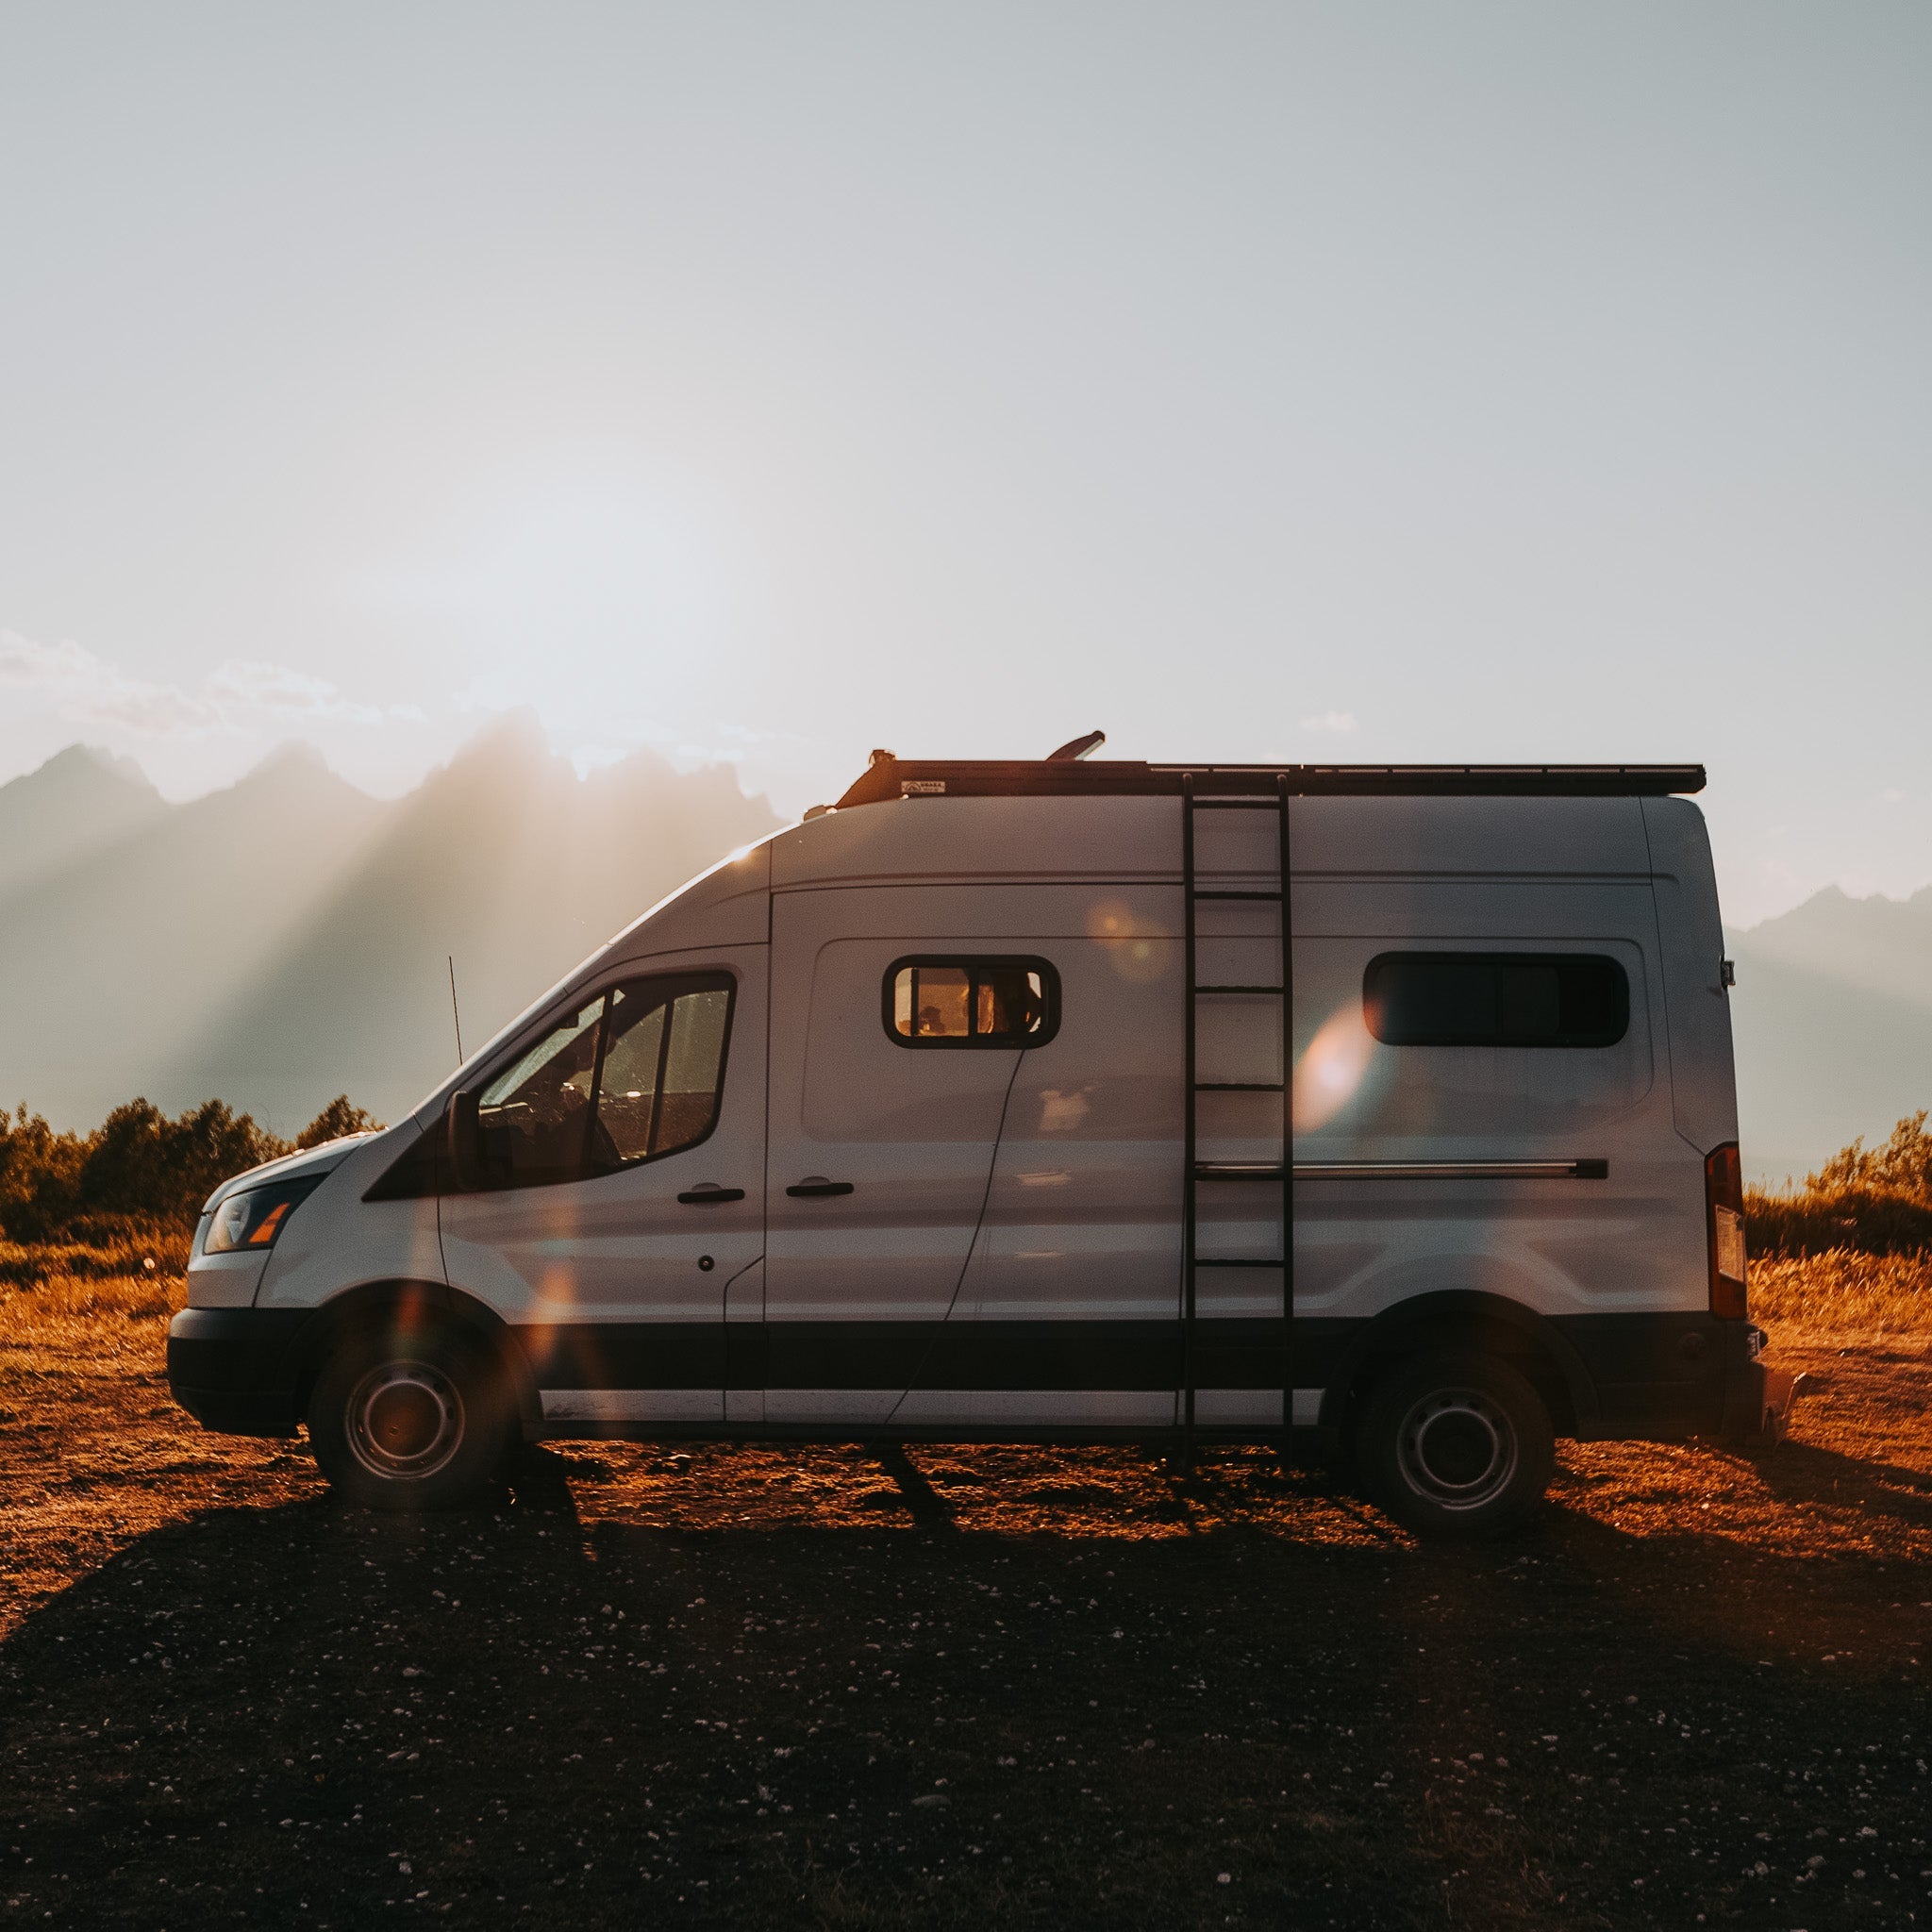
1724	1197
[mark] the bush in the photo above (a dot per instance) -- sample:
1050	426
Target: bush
1902	1167
142	1164
39	1176
336	1122
1861	1219
1873	1201
139	1167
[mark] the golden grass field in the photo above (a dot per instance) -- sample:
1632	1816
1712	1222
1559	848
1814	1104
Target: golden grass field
645	1689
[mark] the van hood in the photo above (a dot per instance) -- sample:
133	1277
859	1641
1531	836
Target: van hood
315	1161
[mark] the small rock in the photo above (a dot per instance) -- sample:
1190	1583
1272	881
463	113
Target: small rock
934	1801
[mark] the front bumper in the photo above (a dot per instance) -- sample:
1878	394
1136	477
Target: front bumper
234	1370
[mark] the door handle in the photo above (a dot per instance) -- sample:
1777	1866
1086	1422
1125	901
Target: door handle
815	1185
708	1194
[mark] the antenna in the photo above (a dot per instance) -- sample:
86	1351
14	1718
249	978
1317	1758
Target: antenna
453	1012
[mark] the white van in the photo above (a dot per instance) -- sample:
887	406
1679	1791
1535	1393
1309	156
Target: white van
960	1111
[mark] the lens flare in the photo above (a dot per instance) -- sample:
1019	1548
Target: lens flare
1331	1070
1136	950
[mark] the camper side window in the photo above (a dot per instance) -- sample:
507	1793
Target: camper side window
968	1003
1496	999
631	1076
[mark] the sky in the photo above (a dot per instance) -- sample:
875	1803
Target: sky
1346	383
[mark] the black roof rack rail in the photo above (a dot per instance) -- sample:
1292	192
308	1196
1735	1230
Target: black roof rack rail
894	778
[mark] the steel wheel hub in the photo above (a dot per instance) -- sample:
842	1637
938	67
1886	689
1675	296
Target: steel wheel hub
1457	1448
406	1420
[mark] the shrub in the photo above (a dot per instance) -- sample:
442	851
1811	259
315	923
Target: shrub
1902	1167
1868	1200
142	1164
139	1168
336	1122
1815	1222
39	1176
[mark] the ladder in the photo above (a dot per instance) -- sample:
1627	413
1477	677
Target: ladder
1224	796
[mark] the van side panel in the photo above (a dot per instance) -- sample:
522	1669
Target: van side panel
1691	942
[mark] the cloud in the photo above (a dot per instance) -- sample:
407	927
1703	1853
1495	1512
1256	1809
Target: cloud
240	694
1341	722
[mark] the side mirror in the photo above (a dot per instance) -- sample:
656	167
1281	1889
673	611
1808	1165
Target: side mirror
465	1129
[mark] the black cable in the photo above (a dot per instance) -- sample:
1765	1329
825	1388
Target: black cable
979	1226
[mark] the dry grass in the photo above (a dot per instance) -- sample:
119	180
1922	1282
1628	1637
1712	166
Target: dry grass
1846	1293
122	1249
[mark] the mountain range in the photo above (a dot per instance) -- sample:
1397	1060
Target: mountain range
287	938
1832	1016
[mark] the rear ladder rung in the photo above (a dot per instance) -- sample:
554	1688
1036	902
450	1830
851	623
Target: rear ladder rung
1209	1261
1277	991
1239	1170
1218	895
1237	1087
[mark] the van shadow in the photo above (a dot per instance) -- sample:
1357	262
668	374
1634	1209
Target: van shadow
1801	1472
516	1714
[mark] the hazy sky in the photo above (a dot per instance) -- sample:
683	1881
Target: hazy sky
1361	382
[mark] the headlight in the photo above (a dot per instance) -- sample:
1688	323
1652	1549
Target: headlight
254	1218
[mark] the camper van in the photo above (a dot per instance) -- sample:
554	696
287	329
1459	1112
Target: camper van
1387	1113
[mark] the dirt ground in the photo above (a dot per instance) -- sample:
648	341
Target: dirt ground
987	1686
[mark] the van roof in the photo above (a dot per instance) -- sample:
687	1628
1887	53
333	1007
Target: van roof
888	777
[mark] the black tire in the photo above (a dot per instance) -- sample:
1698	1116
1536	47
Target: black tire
1455	1445
410	1419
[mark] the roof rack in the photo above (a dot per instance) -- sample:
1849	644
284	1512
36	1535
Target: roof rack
894	778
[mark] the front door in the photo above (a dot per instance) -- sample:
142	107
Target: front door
622	1190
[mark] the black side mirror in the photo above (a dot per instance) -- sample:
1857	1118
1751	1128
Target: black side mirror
465	1141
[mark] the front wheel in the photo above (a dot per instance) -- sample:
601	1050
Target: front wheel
1456	1446
410	1420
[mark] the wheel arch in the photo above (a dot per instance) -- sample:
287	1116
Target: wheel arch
1467	1318
405	1304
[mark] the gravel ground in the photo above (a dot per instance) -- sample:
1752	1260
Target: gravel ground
839	1687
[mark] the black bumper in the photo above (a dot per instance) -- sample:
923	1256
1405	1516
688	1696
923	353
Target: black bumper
1666	1377
234	1370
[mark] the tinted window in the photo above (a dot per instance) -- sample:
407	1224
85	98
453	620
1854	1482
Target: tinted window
969	1002
1496	999
632	1076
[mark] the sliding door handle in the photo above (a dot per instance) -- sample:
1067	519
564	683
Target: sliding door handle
815	1185
708	1193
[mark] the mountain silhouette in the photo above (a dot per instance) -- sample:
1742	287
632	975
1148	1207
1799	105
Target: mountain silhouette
78	803
1832	1014
286	939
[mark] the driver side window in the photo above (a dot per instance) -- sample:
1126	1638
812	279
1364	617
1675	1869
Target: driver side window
633	1075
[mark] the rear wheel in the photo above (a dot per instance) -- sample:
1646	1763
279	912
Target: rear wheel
410	1420
1456	1446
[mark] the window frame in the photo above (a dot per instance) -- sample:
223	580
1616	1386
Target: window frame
1499	959
969	963
704	979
